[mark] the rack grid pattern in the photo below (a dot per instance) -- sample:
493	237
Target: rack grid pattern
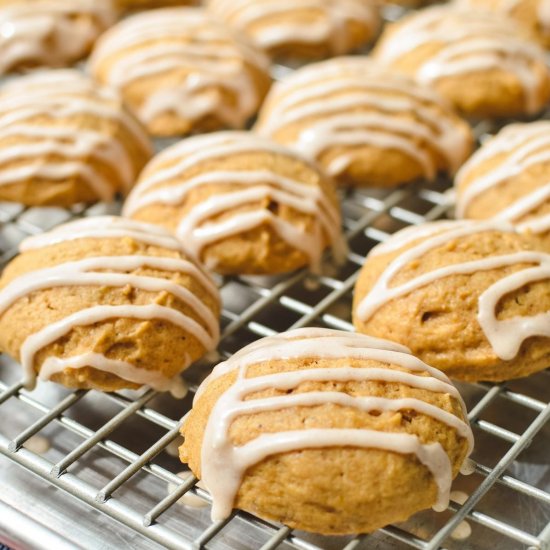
253	308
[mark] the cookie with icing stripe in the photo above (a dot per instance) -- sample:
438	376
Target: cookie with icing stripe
182	71
534	15
482	62
50	33
240	204
64	139
309	29
470	298
107	303
326	431
365	125
508	179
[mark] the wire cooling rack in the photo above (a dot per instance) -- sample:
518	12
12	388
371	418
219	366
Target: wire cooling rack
114	452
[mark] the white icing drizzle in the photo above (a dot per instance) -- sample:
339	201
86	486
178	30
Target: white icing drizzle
522	146
505	336
468	41
44	149
396	114
92	271
156	43
224	464
44	32
275	23
170	185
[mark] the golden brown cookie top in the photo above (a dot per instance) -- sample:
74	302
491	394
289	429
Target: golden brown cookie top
508	178
274	24
419	256
447	42
533	14
241	412
183	62
50	33
348	102
227	184
108	252
60	124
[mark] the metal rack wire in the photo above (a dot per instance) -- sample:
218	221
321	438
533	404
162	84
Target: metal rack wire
108	449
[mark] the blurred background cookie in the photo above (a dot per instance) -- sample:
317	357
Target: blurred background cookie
106	303
534	15
240	203
306	29
480	61
365	125
470	298
508	179
50	33
182	71
326	431
65	139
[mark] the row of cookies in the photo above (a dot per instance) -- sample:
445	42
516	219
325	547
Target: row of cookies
183	70
56	33
64	139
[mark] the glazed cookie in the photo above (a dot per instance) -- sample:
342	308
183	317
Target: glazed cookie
106	303
310	29
471	298
50	33
478	60
365	125
64	139
508	179
326	431
182	71
534	15
240	204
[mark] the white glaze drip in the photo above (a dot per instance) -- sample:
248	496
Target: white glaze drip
331	25
170	186
505	336
53	152
398	115
103	227
122	369
469	41
45	32
92	271
179	40
522	147
224	464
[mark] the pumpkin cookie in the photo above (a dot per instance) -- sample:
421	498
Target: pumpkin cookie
181	71
326	431
106	303
508	179
239	203
534	15
365	125
50	33
471	298
64	139
480	61
312	29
